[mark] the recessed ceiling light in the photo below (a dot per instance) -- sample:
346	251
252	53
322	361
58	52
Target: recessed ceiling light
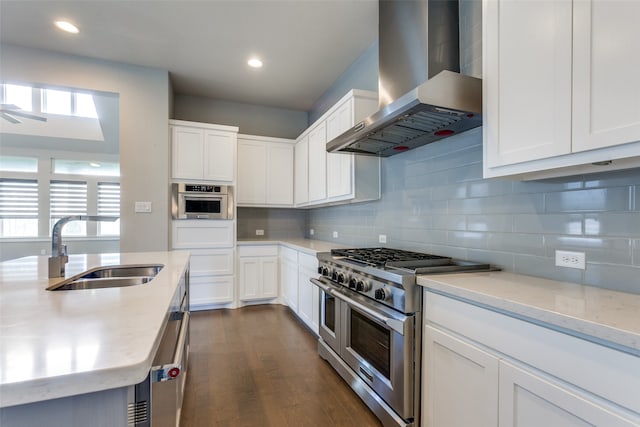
255	63
67	26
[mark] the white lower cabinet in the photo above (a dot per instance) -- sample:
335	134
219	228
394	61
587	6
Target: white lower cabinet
460	383
258	272
528	399
308	293
211	244
289	277
483	368
302	297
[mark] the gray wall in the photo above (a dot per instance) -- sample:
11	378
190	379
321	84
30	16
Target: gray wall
251	119
144	140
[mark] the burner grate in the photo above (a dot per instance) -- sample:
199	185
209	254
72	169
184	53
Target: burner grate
385	257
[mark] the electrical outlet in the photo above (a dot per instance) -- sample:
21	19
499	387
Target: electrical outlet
259	232
570	259
382	238
312	232
335	234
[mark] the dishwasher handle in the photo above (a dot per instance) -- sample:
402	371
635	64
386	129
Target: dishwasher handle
171	371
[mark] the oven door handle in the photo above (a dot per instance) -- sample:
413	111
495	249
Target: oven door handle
395	324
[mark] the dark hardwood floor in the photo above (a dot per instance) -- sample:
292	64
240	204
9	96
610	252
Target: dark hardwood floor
258	366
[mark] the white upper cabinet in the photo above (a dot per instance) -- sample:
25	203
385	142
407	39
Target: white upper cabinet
560	86
333	178
318	163
301	171
203	152
265	171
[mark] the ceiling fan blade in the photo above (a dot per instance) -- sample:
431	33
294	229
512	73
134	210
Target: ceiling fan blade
9	106
9	118
27	116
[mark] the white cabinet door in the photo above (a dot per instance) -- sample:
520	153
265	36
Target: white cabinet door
529	400
460	383
252	171
339	166
301	173
250	278
269	271
219	156
527	80
258	272
318	163
289	282
279	174
309	296
606	88
187	147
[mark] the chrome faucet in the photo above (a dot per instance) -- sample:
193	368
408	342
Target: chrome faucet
59	258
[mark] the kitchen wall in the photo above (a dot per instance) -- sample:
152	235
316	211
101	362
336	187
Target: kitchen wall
251	119
144	140
276	223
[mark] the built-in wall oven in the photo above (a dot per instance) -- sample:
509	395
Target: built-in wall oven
370	324
157	401
201	201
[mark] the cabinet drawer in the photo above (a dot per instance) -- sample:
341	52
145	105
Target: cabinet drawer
205	290
604	371
202	234
211	262
261	250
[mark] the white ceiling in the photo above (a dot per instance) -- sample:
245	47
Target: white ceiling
305	44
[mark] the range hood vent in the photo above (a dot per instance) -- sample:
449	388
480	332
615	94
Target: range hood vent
418	41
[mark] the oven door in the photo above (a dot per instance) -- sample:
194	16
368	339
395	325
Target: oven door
329	328
378	344
193	206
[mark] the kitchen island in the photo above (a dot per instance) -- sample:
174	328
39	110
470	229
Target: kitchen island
59	344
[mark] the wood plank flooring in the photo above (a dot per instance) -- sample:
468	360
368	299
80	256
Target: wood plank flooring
258	366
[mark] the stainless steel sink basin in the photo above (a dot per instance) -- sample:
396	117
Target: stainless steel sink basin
113	276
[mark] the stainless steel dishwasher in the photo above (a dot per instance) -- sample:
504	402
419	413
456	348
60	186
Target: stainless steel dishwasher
157	400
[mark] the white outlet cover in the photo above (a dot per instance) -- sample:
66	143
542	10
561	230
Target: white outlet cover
382	238
335	234
571	259
312	232
259	232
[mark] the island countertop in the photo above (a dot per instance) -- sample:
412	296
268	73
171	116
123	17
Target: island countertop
62	343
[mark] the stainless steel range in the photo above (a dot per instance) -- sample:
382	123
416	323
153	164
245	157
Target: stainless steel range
370	323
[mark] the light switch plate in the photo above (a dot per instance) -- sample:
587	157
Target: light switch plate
143	207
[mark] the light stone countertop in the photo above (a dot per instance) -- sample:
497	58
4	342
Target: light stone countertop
305	245
608	317
63	343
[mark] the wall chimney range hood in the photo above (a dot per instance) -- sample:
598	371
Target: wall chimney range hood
418	40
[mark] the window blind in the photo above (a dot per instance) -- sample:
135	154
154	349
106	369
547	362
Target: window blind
18	198
68	198
109	198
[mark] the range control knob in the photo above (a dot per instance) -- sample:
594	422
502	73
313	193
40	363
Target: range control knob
381	294
325	271
334	276
341	278
319	269
352	283
363	286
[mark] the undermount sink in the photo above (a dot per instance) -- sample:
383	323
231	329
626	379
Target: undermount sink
113	276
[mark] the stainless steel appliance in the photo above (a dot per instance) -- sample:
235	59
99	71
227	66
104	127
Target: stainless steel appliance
370	323
201	201
423	97
156	401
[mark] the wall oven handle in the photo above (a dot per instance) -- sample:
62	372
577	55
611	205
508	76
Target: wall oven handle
171	371
394	324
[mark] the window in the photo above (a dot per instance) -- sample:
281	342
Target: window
20	96
18	164
84	167
69	198
56	102
18	208
109	204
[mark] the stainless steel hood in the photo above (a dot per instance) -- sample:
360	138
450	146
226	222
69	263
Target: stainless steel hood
418	41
